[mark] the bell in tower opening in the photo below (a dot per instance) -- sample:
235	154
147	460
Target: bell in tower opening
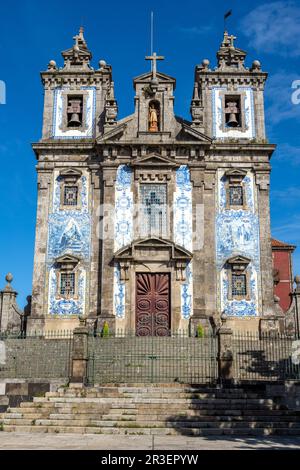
232	112
74	112
154	115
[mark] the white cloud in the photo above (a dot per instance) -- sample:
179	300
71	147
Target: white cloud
288	153
278	94
289	231
274	28
289	195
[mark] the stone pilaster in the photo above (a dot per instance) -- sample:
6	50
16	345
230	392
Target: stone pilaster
80	354
209	268
266	260
39	289
96	244
199	314
106	313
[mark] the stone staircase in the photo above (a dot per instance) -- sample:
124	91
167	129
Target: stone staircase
167	409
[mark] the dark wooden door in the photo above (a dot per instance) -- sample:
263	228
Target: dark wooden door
152	304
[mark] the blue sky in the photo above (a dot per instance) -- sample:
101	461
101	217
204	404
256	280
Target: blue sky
33	32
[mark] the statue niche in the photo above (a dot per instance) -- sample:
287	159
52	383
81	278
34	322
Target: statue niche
154	116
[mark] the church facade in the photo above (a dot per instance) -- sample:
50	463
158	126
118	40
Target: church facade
153	223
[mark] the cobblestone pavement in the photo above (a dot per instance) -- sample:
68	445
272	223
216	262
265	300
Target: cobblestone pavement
35	441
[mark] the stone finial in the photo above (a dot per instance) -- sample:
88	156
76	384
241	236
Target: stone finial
9	278
205	64
52	65
102	64
297	282
256	66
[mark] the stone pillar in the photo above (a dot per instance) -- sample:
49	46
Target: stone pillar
292	316
39	286
80	354
10	319
198	240
209	261
225	355
266	260
96	244
107	276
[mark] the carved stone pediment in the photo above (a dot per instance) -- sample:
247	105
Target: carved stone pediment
67	262
153	160
238	263
148	76
156	250
70	175
235	175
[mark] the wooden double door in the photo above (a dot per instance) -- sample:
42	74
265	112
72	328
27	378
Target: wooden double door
152	304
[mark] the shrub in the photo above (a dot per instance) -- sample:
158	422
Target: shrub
105	330
200	331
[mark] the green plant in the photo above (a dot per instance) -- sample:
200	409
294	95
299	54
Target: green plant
1	427
200	331
105	330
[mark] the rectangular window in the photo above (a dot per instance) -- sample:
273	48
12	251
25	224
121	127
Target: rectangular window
154	209
236	197
70	195
239	285
67	284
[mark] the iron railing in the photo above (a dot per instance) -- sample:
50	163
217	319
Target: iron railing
45	355
128	358
264	357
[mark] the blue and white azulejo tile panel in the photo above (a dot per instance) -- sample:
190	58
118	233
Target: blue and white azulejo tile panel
237	233
240	308
119	293
183	232
183	212
123	230
90	124
69	232
123	207
61	306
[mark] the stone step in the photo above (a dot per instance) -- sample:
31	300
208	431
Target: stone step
153	413
178	423
147	400
153	431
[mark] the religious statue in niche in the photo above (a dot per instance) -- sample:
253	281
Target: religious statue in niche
154	117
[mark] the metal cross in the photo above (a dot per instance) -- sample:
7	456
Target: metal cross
154	58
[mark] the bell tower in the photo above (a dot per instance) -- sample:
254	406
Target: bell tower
154	102
228	100
78	104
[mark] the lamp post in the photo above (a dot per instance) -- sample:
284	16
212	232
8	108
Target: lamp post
296	294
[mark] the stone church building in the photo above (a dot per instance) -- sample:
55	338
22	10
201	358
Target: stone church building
153	223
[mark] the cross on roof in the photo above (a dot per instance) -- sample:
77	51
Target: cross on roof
154	58
78	38
228	41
